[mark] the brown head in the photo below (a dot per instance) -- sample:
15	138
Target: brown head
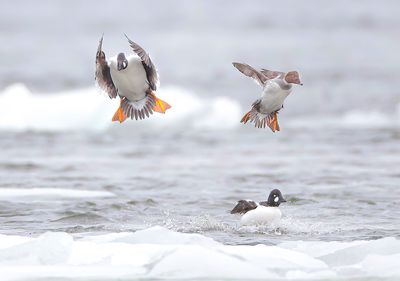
293	78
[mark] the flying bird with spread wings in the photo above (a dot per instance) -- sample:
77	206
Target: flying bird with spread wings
134	79
276	87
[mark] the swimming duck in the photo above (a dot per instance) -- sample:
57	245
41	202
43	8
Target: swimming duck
134	79
276	87
262	213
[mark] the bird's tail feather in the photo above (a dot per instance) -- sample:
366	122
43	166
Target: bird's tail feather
138	109
141	109
262	120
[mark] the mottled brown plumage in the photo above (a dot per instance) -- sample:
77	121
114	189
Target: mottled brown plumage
276	86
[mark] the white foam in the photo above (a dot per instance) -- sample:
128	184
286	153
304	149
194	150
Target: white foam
159	253
50	193
76	110
87	109
91	110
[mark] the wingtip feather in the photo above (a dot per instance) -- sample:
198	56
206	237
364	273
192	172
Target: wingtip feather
129	40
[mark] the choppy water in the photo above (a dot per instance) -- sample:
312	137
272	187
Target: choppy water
339	184
65	168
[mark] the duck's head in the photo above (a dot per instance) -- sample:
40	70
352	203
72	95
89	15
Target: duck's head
292	77
122	62
275	198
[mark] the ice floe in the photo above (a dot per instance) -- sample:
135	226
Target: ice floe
159	253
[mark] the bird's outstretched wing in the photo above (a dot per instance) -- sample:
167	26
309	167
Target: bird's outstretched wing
271	74
151	71
102	74
243	206
251	72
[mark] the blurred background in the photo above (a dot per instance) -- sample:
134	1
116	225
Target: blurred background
336	157
346	53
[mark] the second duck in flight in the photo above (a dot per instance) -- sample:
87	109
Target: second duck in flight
276	87
134	79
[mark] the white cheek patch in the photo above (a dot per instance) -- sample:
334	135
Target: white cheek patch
276	199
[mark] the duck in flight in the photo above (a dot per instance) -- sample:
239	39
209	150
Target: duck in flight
134	79
264	212
276	87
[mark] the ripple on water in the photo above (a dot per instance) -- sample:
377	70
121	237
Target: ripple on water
82	218
20	166
147	202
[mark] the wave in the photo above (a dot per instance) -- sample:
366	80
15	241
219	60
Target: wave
88	109
158	253
49	193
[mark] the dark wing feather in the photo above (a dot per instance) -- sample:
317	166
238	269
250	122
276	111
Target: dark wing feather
251	72
271	74
102	74
264	203
256	105
243	206
151	72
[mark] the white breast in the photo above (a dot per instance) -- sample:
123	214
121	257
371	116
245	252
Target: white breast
261	215
272	97
132	81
